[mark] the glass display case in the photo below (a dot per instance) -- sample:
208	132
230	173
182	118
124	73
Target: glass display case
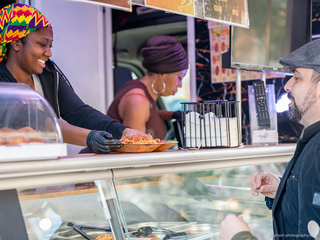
28	125
72	211
187	205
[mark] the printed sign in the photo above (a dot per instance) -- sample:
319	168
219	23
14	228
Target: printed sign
219	43
232	12
185	7
119	4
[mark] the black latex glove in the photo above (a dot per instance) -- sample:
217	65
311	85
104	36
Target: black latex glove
177	115
102	142
197	190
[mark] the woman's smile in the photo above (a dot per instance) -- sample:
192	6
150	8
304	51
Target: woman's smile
42	63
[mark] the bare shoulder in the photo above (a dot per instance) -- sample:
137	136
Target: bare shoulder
133	102
135	96
136	91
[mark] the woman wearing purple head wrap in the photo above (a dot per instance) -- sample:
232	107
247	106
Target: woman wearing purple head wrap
135	103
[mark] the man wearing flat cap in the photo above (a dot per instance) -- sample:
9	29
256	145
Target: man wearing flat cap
295	198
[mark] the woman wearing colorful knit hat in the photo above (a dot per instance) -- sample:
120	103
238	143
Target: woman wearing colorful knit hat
135	103
26	38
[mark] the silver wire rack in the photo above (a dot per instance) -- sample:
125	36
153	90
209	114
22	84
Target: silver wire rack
210	124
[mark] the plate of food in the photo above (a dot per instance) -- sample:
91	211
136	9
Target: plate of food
139	143
165	145
138	147
142	143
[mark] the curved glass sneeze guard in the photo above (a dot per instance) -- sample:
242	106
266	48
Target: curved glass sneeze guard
26	117
29	129
194	204
180	206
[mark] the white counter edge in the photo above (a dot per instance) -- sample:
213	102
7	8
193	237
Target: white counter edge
73	169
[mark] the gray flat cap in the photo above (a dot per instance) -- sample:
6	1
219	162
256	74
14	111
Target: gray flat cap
306	56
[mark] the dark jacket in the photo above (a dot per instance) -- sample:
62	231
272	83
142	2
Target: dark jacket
66	103
297	200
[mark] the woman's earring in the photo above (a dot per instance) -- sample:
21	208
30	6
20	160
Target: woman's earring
163	84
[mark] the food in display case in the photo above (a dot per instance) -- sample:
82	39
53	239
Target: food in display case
23	135
105	237
141	143
29	129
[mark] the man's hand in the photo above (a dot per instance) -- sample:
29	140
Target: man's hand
102	142
265	183
130	132
232	225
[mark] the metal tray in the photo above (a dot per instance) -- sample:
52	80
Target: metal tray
160	230
69	233
194	231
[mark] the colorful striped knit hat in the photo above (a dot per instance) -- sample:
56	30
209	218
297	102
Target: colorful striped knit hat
17	21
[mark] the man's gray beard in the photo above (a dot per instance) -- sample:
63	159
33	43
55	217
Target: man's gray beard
294	113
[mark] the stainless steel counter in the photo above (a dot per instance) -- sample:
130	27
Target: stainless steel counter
89	167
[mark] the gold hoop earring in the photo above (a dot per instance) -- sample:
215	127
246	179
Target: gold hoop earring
163	84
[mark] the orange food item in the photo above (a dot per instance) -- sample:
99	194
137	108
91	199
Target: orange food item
3	135
142	139
31	135
12	137
105	237
14	140
5	129
139	139
15	137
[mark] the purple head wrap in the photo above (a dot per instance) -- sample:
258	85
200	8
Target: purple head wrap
164	55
